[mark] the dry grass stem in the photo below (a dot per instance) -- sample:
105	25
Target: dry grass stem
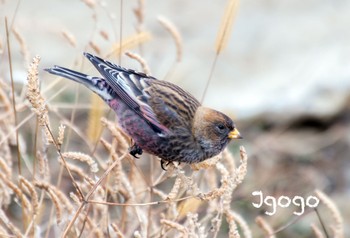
242	224
206	164
175	226
265	226
83	158
60	138
171	28
6	104
36	99
69	37
44	170
12	228
226	25
233	231
24	50
218	192
143	63
338	226
229	160
104	35
5	168
175	190
216	224
19	193
32	193
121	139
95	114
130	43
90	3
317	232
95	47
139	14
116	229
51	191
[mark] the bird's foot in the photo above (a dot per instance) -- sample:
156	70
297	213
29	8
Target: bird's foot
135	150
166	163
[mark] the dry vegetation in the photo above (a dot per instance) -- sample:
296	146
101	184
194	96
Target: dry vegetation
99	190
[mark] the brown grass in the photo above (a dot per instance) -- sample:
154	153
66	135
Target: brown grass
171	28
69	37
226	25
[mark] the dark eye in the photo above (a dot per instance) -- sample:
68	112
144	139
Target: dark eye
221	127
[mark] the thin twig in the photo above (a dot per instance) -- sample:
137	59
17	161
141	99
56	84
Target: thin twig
92	190
210	77
13	96
15	115
321	221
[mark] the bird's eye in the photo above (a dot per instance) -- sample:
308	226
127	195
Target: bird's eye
221	127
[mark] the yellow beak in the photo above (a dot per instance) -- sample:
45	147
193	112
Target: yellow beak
234	134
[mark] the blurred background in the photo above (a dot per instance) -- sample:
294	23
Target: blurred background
284	78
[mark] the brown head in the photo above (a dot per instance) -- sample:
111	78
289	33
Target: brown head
213	130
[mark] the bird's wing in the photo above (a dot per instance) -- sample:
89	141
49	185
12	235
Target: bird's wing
173	105
129	86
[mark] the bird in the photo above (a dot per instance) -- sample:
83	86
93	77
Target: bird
160	117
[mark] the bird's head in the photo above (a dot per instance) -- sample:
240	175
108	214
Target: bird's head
213	130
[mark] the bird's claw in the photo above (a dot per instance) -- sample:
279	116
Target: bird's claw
135	150
166	163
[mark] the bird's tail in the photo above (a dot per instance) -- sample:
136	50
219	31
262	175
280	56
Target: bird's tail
96	84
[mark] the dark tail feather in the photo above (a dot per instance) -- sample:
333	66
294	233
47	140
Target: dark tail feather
96	84
70	74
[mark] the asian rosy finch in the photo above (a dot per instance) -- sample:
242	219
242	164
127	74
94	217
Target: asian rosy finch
160	117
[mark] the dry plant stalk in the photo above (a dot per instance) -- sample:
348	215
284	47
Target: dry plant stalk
23	46
233	231
95	47
51	190
140	15
69	37
95	114
44	170
317	232
18	192
5	168
60	138
83	158
265	226
218	192
171	28
120	138
242	224
338	226
130	43
229	181
36	99
175	226
6	104
206	164
104	35
226	25
5	220
117	230
144	65
90	3
32	193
